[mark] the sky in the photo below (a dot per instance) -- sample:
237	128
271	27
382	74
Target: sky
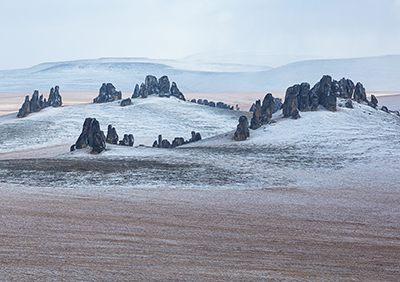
37	31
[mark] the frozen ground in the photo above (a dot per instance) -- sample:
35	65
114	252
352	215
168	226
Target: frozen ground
309	199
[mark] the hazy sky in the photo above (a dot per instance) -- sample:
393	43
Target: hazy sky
36	31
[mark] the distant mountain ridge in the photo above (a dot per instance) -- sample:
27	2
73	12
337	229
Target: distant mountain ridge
197	75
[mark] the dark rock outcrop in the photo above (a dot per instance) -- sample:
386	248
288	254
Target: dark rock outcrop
112	136
242	131
291	103
91	136
349	104
107	93
359	93
385	109
38	103
295	114
25	108
128	140
178	141
267	109
55	99
195	137
161	87
211	104
374	102
255	120
126	102
304	97
193	101
347	88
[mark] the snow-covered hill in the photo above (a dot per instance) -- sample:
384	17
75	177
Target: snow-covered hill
203	74
360	145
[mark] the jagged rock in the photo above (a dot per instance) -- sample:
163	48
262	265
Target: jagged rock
211	104
72	148
295	114
374	101
35	105
349	104
165	144
267	109
55	99
330	102
151	85
42	102
25	108
304	97
359	93
176	93
193	101
128	140
242	131
346	88
107	93
314	98
178	141
91	136
142	91
126	102
112	136
155	144
252	108
255	120
136	92
385	109
164	86
195	137
291	103
336	89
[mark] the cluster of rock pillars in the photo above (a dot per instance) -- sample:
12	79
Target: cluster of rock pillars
298	98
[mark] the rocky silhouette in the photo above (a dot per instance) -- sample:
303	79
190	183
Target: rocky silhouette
255	120
128	140
178	141
107	93
112	136
242	131
126	102
37	103
161	87
291	102
91	136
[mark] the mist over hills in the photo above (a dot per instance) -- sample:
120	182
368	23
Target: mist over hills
204	73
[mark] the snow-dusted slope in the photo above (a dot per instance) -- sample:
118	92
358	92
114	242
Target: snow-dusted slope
197	74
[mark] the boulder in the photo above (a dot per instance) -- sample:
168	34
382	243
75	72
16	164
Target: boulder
91	136
242	131
107	93
346	88
255	120
385	109
35	104
349	104
142	91
151	85
178	141
25	108
374	102
205	102
193	101
128	140
55	99
291	102
112	136
126	102
303	97
164	86
359	93
200	101
295	114
267	109
211	104
165	144
176	92
136	92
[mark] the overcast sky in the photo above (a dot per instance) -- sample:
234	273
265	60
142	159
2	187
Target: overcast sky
36	31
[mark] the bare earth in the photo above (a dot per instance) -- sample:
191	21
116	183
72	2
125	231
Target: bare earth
190	234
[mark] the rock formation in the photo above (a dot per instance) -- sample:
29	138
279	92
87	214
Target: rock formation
126	102
159	87
37	102
91	136
349	104
255	120
107	93
303	97
359	93
347	88
128	140
178	141
267	109
291	103
374	102
242	131
112	136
